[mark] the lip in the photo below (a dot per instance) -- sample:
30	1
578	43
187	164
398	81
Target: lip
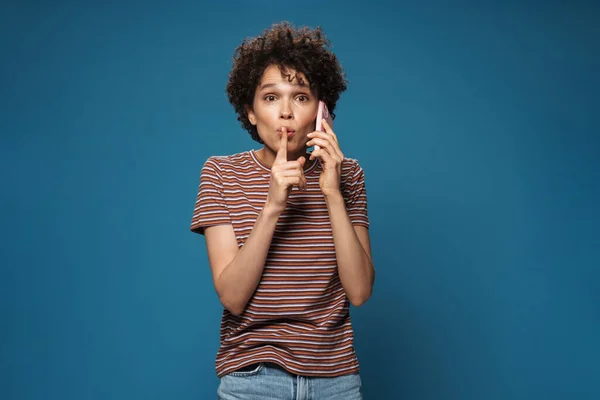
290	132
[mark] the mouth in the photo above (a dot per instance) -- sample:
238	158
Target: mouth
290	132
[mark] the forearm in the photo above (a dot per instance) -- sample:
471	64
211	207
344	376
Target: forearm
355	266
239	279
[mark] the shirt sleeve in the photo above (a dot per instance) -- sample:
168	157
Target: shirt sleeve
210	208
355	195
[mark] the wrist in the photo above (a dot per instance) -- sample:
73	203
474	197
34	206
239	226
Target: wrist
333	198
271	210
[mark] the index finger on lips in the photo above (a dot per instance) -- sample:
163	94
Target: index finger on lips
282	152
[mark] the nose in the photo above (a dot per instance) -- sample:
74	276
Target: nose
286	111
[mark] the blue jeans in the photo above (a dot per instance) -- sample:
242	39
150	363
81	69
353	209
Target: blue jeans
266	382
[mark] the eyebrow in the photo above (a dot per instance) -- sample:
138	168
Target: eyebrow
272	85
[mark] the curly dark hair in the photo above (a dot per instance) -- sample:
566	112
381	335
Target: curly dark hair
302	49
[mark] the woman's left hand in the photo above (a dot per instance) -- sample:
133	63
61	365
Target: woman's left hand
331	158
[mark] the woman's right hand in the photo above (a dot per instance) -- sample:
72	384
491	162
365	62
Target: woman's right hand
284	175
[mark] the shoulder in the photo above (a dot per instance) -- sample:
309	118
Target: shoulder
351	163
351	169
228	160
228	163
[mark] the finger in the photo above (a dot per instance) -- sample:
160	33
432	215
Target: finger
328	129
294	181
301	160
299	181
319	141
328	144
303	184
297	172
321	154
290	172
319	134
326	136
298	164
328	160
316	153
282	152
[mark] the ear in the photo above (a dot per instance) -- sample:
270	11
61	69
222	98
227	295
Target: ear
251	115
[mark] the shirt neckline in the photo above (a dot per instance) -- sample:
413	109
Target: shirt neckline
266	168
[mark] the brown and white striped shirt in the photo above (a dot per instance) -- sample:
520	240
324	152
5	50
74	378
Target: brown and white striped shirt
298	316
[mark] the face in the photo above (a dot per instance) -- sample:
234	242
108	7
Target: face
282	101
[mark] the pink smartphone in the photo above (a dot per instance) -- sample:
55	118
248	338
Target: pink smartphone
322	114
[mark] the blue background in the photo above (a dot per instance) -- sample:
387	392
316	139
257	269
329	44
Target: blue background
477	126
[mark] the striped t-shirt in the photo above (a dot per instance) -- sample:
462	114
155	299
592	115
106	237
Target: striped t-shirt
298	317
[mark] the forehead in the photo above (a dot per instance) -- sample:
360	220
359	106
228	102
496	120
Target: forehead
288	76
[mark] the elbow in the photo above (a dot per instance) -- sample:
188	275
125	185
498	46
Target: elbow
235	311
360	298
235	307
230	300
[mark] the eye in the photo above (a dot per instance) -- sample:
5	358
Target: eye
270	97
302	98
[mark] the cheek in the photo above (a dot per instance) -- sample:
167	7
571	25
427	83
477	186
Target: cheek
309	122
266	118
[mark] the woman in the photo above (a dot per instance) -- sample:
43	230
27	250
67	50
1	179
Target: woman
286	231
